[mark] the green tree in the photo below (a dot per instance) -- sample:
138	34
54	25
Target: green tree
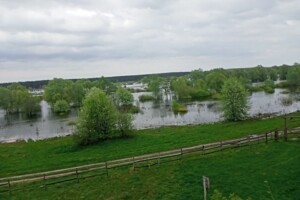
199	89
293	76
78	92
5	96
234	96
181	88
196	75
283	70
215	80
106	85
31	105
58	89
97	118
124	124
269	86
61	106
273	74
123	97
18	95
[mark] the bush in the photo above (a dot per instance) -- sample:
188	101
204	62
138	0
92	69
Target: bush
178	107
269	90
61	106
219	196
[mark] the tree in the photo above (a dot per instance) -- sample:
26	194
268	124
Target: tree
293	76
31	105
215	81
97	118
269	86
78	92
196	75
16	99
235	103
181	88
124	124
5	98
123	97
154	84
58	89
61	106
106	85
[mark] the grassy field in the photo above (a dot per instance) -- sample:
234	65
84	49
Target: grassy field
259	171
22	157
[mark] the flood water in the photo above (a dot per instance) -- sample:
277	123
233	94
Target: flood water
153	114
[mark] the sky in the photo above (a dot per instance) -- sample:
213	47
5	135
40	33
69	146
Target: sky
91	38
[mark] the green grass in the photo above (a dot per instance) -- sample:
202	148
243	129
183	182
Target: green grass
22	157
259	171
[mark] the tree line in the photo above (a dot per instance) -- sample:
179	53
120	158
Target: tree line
15	98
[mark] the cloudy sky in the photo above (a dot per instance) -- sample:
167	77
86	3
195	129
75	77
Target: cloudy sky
90	38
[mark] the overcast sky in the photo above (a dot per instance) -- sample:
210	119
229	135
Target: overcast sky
92	38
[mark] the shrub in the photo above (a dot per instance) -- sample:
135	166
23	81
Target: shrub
178	107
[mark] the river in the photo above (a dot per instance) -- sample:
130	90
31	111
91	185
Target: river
153	114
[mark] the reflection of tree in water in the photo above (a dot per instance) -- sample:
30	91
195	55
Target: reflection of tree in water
180	114
214	107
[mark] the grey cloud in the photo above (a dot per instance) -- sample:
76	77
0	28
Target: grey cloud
210	33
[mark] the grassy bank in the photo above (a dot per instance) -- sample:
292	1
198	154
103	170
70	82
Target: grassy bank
22	157
259	171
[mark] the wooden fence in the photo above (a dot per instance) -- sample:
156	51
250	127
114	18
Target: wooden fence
45	179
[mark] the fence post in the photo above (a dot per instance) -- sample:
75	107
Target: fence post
203	150
276	135
77	175
285	128
106	168
44	178
181	153
248	140
9	186
206	186
266	138
159	158
133	164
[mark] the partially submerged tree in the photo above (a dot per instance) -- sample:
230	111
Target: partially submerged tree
58	89
293	76
17	99
61	107
235	103
154	84
123	97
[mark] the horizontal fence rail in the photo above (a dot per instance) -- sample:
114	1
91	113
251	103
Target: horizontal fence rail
77	173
